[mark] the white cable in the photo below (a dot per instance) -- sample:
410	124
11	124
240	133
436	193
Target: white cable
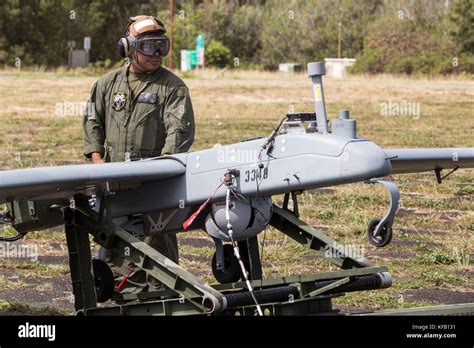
236	249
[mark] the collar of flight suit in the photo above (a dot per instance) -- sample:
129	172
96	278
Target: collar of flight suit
152	77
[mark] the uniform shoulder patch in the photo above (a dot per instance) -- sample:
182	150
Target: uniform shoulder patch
181	91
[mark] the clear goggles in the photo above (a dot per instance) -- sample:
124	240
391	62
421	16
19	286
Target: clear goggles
148	46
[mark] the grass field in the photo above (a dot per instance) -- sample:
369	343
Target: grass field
430	257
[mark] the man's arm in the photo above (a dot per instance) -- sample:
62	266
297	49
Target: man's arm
179	121
94	125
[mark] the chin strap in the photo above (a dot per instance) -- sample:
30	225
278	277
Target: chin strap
135	59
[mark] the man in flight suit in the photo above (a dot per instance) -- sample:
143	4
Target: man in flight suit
140	110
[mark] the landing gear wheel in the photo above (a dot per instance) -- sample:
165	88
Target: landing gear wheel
384	237
104	280
231	272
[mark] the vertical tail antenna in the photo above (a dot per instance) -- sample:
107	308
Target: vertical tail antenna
315	71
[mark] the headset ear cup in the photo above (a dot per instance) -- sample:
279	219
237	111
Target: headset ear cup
123	47
127	47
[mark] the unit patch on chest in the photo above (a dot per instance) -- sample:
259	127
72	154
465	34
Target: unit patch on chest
119	101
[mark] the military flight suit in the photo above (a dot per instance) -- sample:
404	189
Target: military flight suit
138	116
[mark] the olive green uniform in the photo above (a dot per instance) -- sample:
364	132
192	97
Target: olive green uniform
138	116
158	120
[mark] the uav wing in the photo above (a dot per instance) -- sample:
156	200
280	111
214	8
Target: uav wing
64	181
423	160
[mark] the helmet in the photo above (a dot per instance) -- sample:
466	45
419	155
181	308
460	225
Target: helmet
146	34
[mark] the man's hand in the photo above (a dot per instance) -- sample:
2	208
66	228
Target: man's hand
96	157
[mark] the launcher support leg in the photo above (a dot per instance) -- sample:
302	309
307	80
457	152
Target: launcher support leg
304	234
184	284
83	285
251	257
225	266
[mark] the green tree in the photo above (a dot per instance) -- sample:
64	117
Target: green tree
217	54
243	34
304	31
186	27
37	31
104	21
32	32
399	44
462	17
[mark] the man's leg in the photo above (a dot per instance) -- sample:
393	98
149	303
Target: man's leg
137	279
166	244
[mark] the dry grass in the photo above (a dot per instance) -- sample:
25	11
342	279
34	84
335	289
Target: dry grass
434	230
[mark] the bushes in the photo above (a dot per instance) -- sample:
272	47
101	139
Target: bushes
410	44
405	47
369	62
403	36
305	31
217	54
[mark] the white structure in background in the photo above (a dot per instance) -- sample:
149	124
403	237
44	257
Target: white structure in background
289	68
336	67
184	61
79	58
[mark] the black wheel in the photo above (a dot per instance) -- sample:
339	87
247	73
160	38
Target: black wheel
231	272
384	237
104	280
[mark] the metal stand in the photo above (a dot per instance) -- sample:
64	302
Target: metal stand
327	248
185	285
79	250
185	294
251	257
